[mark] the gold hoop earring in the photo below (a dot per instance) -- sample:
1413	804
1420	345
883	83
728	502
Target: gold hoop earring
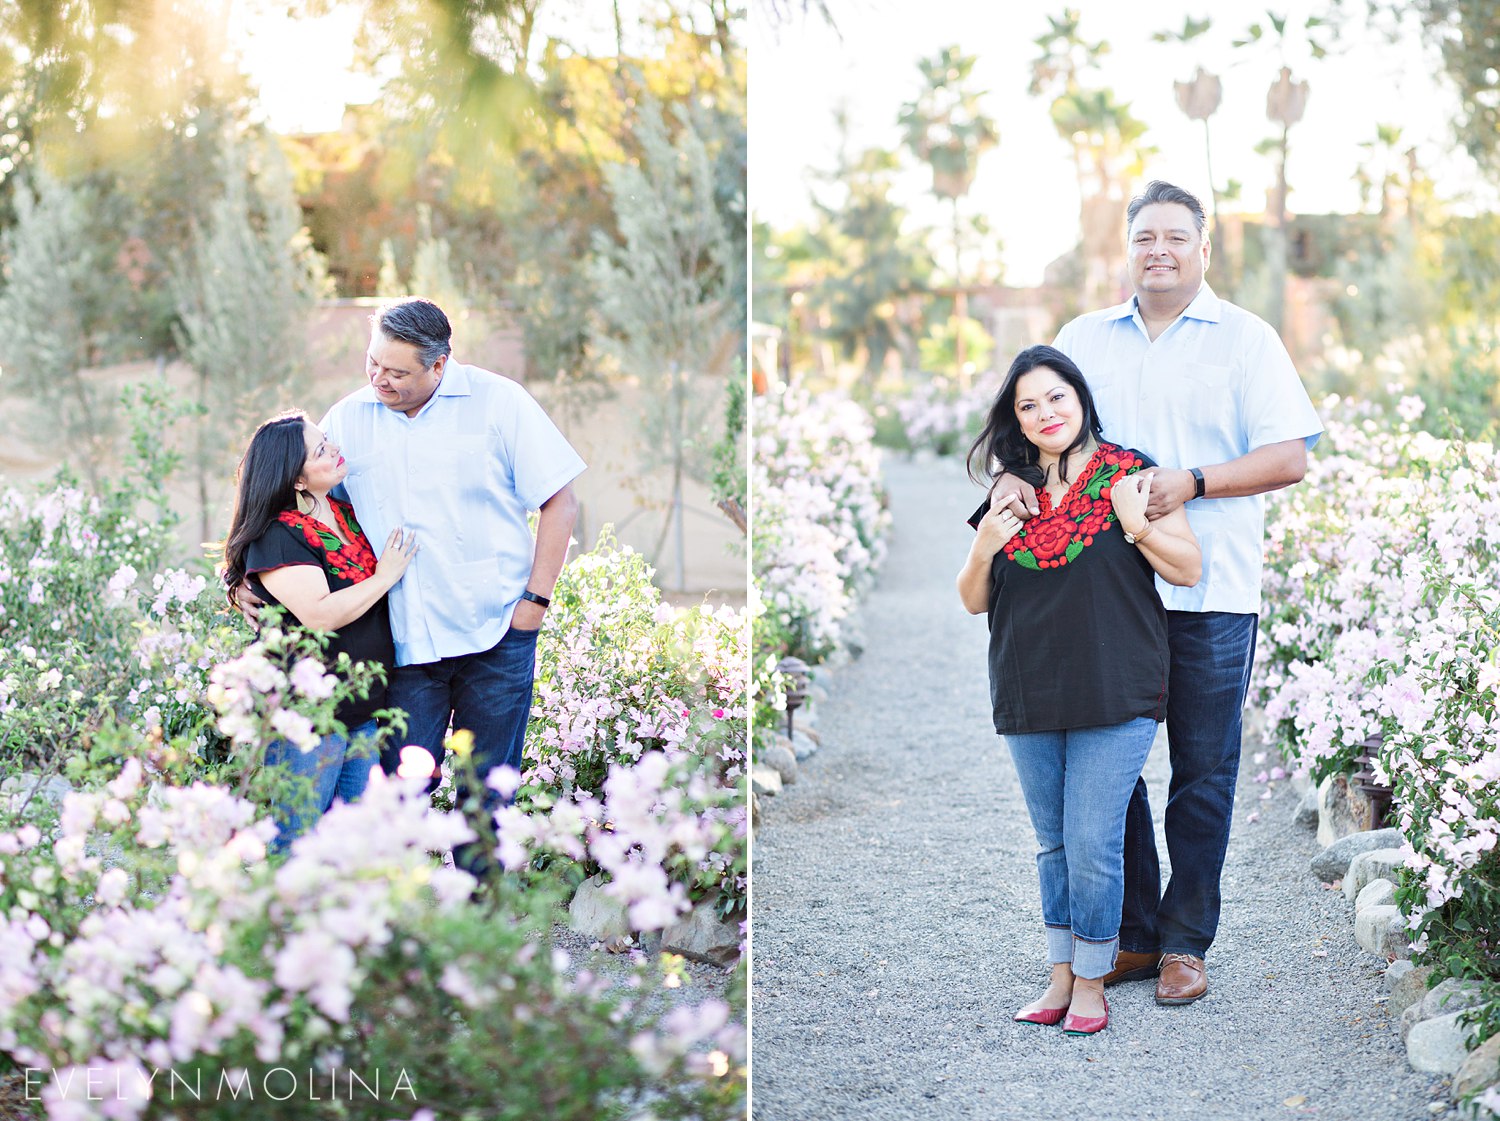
306	503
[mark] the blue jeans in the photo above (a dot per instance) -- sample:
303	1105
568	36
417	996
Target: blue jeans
1209	676
337	770
489	694
1077	784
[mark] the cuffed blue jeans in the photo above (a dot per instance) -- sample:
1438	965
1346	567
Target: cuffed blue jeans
337	768
1077	784
1210	674
489	694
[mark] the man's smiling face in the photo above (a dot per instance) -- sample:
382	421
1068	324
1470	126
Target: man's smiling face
1168	255
397	375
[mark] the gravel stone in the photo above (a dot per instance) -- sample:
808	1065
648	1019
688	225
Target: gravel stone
897	925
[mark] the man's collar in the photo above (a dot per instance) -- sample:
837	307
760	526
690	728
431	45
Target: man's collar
1205	306
455	381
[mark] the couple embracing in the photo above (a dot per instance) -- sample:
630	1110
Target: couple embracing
1118	558
441	462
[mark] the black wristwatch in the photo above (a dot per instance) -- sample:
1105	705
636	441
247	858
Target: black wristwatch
1197	473
531	596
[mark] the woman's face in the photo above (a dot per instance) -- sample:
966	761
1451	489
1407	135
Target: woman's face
324	467
1048	409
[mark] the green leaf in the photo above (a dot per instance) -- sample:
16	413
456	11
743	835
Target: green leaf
1073	549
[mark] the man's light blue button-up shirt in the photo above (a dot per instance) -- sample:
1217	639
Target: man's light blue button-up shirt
1215	385
462	474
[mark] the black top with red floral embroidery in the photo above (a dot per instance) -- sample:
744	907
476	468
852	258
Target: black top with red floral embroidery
297	538
1078	633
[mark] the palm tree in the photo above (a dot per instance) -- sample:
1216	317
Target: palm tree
946	128
1105	138
1109	155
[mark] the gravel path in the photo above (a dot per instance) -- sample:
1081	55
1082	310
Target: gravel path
897	924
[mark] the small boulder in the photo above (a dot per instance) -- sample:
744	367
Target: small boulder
779	757
1480	1068
1333	862
804	743
1376	893
33	790
763	780
1451	995
1372	928
597	915
1408	988
1335	815
1307	809
701	935
1369	866
1395	971
1410	1019
1437	1046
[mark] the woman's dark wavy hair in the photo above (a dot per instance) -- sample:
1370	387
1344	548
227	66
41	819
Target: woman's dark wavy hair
265	486
1001	447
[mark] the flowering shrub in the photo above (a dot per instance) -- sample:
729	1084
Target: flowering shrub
1347	556
936	415
1382	617
142	924
820	522
620	675
635	754
145	931
819	516
63	631
1442	756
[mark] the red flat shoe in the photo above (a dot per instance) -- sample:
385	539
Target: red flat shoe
1044	1016
1086	1025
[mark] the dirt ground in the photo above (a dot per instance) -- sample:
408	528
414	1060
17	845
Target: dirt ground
614	490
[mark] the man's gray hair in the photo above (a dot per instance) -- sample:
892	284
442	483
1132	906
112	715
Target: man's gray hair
419	322
1159	190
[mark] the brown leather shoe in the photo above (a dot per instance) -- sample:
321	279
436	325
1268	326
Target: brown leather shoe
1183	979
1131	966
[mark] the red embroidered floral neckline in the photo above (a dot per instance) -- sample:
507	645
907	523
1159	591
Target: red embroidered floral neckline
1058	534
354	561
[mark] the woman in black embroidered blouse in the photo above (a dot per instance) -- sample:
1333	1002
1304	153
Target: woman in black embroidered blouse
297	548
1078	653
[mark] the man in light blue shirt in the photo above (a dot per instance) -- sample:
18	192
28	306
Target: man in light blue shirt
458	455
1208	391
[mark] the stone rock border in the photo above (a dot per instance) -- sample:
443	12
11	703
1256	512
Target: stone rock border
1364	862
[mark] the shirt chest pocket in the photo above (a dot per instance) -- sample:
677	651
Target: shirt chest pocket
1208	392
462	465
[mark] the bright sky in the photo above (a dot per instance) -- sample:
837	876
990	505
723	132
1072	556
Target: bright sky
305	68
1027	185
